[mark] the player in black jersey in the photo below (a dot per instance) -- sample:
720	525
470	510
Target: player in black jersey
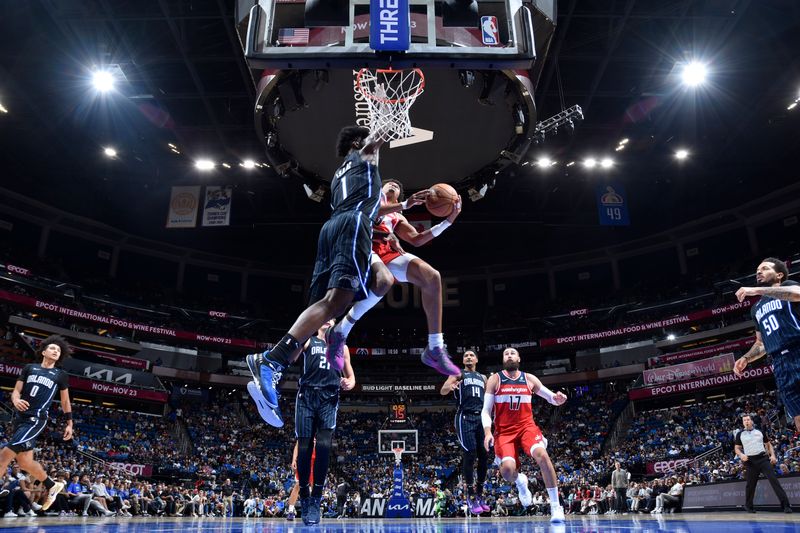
32	395
342	267
315	418
777	316
468	389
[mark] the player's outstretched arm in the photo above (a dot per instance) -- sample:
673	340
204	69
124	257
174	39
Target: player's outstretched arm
415	199
408	234
538	388
348	375
790	293
757	351
450	385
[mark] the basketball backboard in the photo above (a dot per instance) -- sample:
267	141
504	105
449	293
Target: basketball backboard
389	439
476	115
275	33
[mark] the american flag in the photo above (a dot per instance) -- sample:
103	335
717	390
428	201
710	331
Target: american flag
293	36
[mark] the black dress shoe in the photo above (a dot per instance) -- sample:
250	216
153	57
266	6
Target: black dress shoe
788	509
750	510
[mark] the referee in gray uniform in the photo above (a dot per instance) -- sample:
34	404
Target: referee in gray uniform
752	447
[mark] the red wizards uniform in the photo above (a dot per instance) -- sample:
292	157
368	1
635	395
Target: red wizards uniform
514	427
386	224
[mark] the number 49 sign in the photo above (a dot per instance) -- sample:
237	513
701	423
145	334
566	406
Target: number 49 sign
612	205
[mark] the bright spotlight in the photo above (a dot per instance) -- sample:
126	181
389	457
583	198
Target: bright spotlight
103	80
607	162
204	164
694	74
110	152
590	162
624	141
791	106
3	109
671	337
544	162
681	154
248	164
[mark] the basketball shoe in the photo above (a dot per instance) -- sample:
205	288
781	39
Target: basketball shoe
334	351
264	387
439	360
525	496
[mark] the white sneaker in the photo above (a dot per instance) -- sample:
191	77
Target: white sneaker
35	506
525	496
10	514
109	513
31	513
557	514
51	494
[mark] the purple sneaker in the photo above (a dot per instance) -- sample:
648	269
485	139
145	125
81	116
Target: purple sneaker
475	506
334	352
486	508
439	360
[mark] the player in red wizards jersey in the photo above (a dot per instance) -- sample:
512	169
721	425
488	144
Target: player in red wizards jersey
510	394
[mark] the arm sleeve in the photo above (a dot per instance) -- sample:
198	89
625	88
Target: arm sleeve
738	438
486	413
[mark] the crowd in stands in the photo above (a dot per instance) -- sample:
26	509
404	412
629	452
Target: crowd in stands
228	441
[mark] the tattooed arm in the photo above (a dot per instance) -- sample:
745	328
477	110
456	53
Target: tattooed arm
789	293
757	351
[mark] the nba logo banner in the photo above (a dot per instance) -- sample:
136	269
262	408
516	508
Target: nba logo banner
389	25
489	33
612	206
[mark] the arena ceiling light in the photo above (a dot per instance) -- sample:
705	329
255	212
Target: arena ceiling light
590	162
607	162
110	152
545	162
248	164
103	80
682	154
204	164
3	109
694	74
671	337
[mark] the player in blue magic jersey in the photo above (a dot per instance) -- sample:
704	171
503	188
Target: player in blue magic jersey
342	267
315	419
468	389
33	393
777	316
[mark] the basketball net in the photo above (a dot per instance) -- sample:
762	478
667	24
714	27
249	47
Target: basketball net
398	455
390	94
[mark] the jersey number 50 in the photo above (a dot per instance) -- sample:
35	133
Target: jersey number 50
770	324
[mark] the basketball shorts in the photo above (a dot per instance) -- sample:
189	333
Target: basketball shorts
315	409
786	368
343	253
469	430
395	261
526	438
25	430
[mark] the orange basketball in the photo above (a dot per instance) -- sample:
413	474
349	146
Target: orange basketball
441	200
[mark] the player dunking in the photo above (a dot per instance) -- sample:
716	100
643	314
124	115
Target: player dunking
315	419
341	270
32	395
510	394
468	389
405	267
777	315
